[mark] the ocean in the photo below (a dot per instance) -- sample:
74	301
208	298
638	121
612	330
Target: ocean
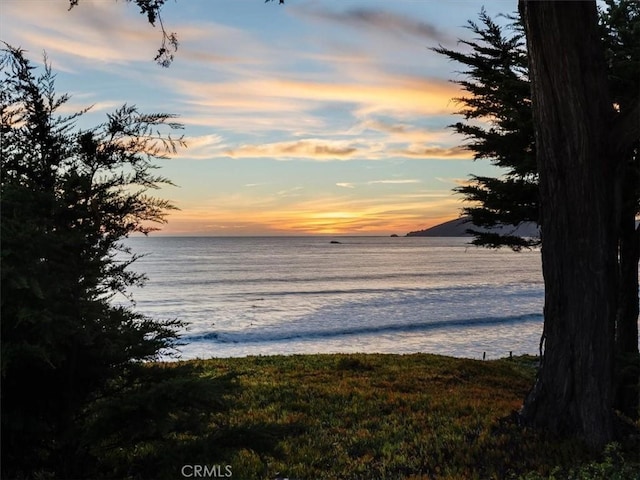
297	295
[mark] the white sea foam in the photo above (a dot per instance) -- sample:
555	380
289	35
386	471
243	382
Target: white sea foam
274	295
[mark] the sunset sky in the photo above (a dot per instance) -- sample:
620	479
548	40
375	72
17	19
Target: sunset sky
313	117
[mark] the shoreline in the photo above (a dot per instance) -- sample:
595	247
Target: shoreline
483	357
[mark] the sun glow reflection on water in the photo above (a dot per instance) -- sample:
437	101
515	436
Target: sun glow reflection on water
274	295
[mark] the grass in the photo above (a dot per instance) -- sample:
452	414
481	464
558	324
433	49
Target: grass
372	417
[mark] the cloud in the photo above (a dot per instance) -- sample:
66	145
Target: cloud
290	192
395	93
201	147
99	33
303	108
396	129
310	148
379	182
403	132
461	182
379	21
356	148
418	151
393	182
387	93
85	33
214	45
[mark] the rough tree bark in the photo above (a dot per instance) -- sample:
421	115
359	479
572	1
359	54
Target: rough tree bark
573	393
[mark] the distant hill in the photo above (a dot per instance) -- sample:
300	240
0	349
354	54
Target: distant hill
458	227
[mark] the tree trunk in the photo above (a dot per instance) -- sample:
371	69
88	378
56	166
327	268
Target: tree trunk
573	393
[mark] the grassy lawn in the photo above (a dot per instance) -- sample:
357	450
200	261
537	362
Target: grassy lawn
369	417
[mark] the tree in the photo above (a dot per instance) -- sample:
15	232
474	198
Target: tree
499	95
579	168
69	197
498	85
621	33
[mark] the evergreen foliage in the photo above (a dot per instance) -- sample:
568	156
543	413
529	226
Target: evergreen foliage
69	197
499	127
620	26
498	118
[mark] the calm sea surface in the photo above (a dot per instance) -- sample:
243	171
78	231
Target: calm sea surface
274	295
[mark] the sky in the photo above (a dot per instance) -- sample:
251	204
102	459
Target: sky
317	117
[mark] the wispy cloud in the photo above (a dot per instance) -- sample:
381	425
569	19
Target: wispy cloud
297	108
308	149
92	37
406	181
399	132
395	94
202	147
290	192
393	182
378	21
327	150
460	182
421	151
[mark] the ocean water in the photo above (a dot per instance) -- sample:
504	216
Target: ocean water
274	295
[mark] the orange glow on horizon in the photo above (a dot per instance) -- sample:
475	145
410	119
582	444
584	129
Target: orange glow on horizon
294	223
